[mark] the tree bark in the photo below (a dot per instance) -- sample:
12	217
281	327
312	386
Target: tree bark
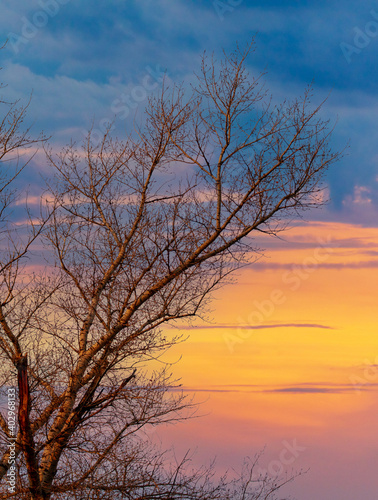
27	441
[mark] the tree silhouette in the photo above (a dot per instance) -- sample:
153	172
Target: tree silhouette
136	234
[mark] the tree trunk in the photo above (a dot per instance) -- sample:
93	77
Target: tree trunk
27	442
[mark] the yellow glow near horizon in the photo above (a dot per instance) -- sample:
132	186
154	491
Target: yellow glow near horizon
337	292
309	380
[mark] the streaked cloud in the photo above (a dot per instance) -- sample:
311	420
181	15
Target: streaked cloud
292	389
262	266
254	327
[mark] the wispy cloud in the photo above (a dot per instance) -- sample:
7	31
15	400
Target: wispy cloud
254	327
262	266
311	390
316	388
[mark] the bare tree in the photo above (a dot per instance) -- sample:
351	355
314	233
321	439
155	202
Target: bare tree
15	143
16	237
140	233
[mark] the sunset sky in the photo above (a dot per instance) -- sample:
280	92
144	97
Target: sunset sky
288	356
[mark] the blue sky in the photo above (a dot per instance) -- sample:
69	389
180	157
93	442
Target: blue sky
87	61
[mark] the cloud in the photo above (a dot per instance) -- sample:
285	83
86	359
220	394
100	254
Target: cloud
297	389
310	390
319	389
371	253
368	264
87	56
254	327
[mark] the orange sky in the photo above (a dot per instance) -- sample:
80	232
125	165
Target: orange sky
306	373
